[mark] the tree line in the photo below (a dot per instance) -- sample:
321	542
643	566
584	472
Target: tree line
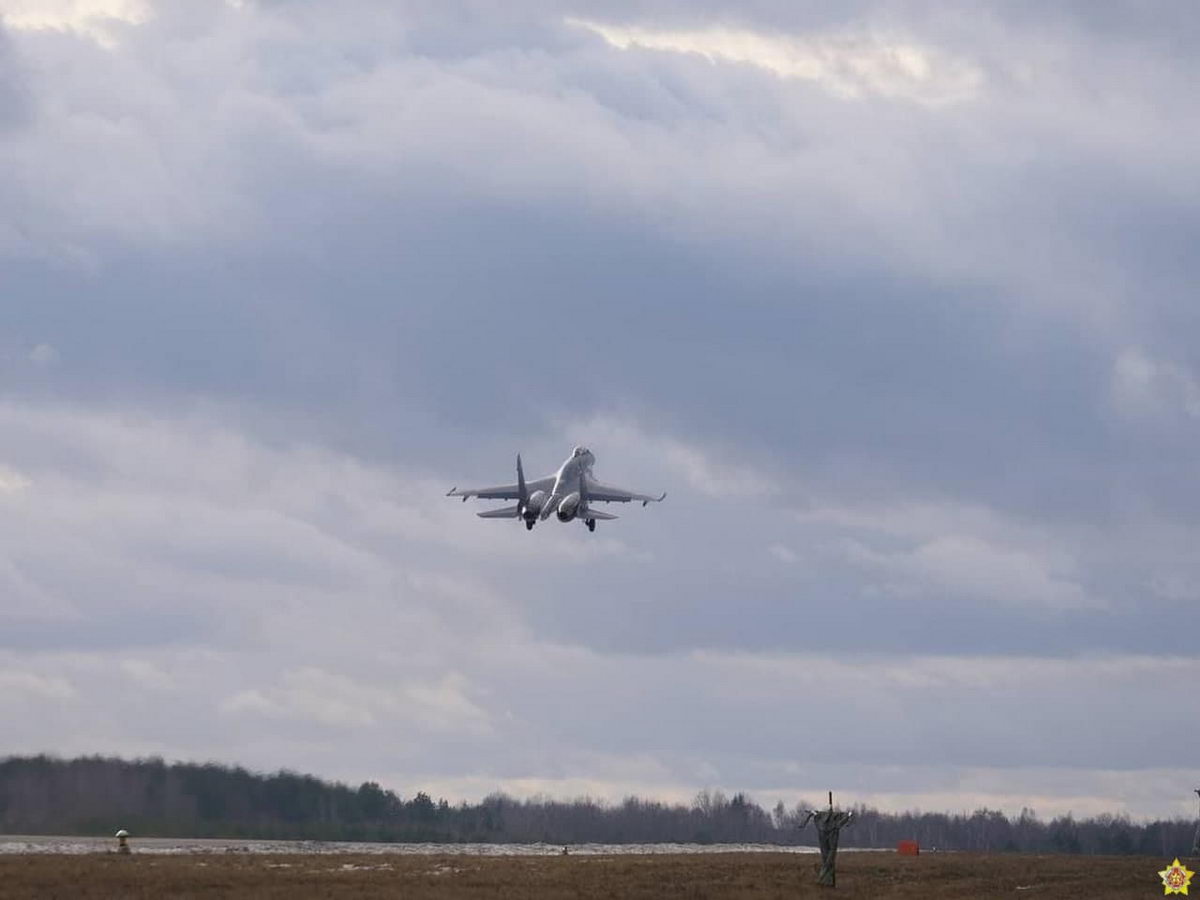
96	795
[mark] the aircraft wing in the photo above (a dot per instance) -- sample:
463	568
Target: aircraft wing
505	512
598	491
504	491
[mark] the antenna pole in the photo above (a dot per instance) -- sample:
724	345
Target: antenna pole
1196	839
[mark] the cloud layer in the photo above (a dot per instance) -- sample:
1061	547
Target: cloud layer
896	304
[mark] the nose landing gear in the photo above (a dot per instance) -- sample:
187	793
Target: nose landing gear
529	525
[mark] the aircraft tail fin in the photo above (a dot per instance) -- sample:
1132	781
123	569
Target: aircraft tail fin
586	511
506	512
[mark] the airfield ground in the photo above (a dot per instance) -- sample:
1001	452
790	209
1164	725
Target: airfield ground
735	875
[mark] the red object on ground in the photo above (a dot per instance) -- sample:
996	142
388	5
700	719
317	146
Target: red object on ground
908	848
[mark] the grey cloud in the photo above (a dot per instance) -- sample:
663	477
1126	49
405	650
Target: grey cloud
15	105
442	625
312	265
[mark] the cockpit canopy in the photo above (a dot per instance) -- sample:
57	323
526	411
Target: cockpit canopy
581	451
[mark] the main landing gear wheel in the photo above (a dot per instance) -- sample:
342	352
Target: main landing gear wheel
528	525
591	524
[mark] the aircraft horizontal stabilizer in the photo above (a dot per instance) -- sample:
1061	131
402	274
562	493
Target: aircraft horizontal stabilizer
506	512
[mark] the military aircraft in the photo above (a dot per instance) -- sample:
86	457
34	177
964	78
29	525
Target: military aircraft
569	493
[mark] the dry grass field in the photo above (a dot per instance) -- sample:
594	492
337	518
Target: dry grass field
736	875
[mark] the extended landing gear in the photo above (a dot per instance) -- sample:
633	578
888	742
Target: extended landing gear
528	525
591	524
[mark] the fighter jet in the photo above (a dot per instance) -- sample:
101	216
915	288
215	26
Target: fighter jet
569	493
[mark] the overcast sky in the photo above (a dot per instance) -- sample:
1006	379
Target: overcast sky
897	301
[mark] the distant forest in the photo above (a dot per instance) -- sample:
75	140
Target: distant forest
96	795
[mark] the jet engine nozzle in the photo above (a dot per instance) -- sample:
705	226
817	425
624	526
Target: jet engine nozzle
533	506
568	507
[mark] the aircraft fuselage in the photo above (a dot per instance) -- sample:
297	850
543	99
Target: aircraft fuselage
567	484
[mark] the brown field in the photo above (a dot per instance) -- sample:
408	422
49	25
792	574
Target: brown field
294	877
